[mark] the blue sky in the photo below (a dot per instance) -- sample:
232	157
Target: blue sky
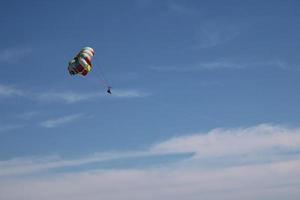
200	89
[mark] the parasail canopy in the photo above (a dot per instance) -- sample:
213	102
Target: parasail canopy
81	64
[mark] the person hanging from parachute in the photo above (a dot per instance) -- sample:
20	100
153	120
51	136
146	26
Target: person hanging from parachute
81	64
108	90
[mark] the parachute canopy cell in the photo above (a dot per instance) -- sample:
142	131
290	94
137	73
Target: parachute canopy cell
81	64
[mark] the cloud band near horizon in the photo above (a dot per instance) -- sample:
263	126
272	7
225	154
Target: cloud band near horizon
214	171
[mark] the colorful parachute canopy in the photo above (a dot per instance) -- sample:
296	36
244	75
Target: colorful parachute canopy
82	62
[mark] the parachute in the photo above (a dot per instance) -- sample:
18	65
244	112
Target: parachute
81	63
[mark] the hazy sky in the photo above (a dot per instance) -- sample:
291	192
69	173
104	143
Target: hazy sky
205	100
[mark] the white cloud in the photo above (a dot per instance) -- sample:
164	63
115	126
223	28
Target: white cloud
52	123
279	64
262	139
186	179
9	127
212	34
14	55
67	96
73	97
128	93
143	3
213	65
181	9
27	115
221	65
10	91
21	166
266	181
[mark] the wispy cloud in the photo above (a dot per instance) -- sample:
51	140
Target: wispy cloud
10	91
187	179
14	55
143	3
214	33
73	97
21	166
222	65
262	142
213	65
52	123
172	7
68	96
262	139
181	9
9	127
129	93
27	115
270	181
